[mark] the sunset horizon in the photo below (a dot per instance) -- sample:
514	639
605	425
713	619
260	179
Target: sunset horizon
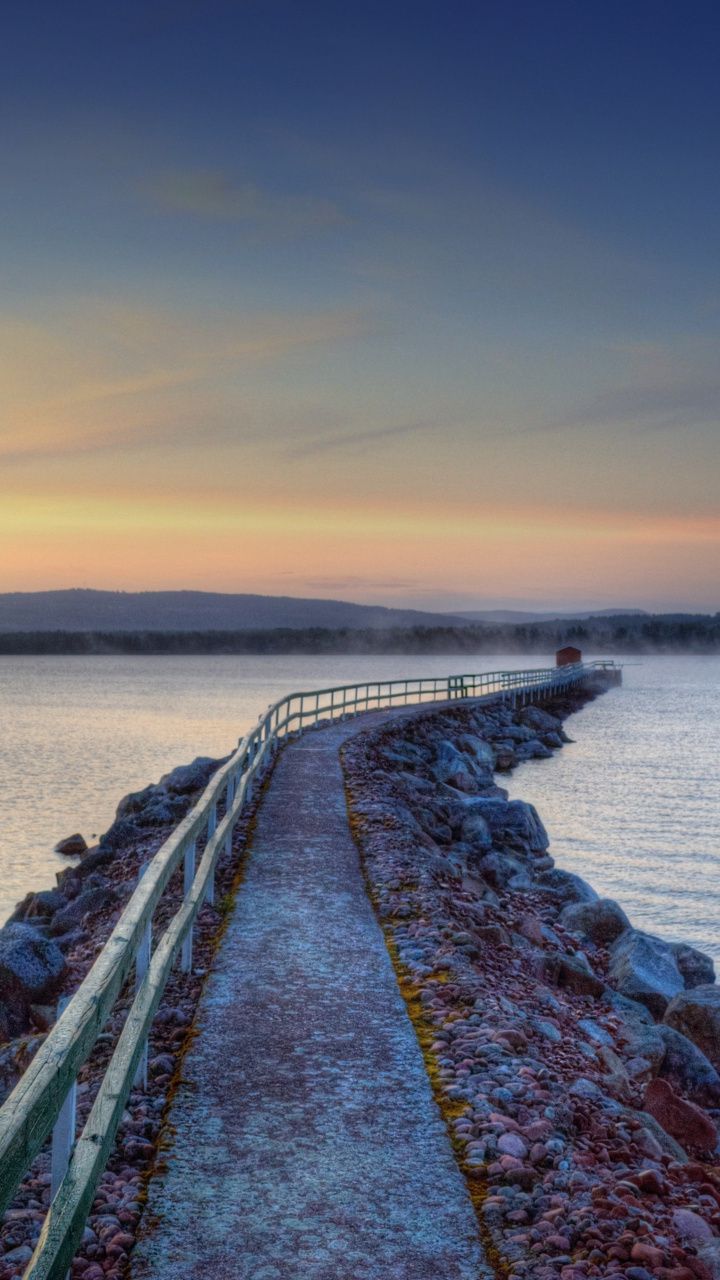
402	304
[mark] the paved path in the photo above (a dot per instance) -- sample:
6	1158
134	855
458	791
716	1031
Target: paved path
306	1141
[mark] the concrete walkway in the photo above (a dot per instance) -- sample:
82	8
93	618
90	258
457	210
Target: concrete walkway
305	1138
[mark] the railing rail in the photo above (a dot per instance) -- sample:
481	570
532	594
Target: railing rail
32	1109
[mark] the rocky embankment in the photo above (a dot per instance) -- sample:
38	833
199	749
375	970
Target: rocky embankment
575	1058
46	949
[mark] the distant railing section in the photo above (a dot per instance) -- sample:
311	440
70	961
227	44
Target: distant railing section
44	1099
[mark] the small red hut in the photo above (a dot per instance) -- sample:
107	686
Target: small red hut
567	656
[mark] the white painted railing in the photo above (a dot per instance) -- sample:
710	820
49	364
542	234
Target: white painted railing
43	1100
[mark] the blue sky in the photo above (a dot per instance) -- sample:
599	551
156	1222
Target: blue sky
432	289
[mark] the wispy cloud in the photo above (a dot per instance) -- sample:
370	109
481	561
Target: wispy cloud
650	407
108	377
215	195
356	439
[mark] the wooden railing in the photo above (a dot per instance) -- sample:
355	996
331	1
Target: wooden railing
43	1101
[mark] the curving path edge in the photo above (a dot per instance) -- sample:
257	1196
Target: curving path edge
305	1140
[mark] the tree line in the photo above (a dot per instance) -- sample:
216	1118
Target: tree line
622	634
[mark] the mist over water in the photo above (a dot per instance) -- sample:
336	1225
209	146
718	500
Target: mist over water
633	805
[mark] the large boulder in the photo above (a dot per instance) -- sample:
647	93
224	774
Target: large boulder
122	834
696	1014
475	830
72	846
575	974
696	968
600	922
566	886
39	906
539	720
190	777
479	750
514	824
458	768
501	870
638	1035
86	903
687	1068
31	967
644	968
685	1121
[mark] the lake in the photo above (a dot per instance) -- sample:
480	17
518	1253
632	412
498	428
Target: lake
633	805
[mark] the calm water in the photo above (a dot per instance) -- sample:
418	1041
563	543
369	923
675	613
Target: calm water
633	805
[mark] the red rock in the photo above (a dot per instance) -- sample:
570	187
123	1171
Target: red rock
699	1269
649	1181
531	928
647	1253
538	1130
682	1120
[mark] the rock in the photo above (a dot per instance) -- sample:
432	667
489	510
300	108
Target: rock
595	1032
566	886
574	975
654	1133
43	1016
479	748
404	753
120	835
39	906
136	801
691	1227
492	935
643	1252
94	859
191	777
505	759
696	968
15	1057
88	902
476	831
499	869
696	1014
17	1257
539	720
72	846
601	922
687	1068
639	1037
514	825
533	750
511	1144
31	966
643	967
682	1120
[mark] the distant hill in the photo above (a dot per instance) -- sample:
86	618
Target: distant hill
85	610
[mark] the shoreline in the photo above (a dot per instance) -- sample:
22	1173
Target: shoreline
409	864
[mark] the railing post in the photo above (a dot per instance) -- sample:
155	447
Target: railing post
63	1135
211	829
142	964
229	800
188	877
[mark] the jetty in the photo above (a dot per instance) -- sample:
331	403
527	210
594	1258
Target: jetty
303	1137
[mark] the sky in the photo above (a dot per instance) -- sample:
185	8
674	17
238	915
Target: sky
413	302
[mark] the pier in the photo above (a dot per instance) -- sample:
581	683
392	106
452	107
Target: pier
305	1140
